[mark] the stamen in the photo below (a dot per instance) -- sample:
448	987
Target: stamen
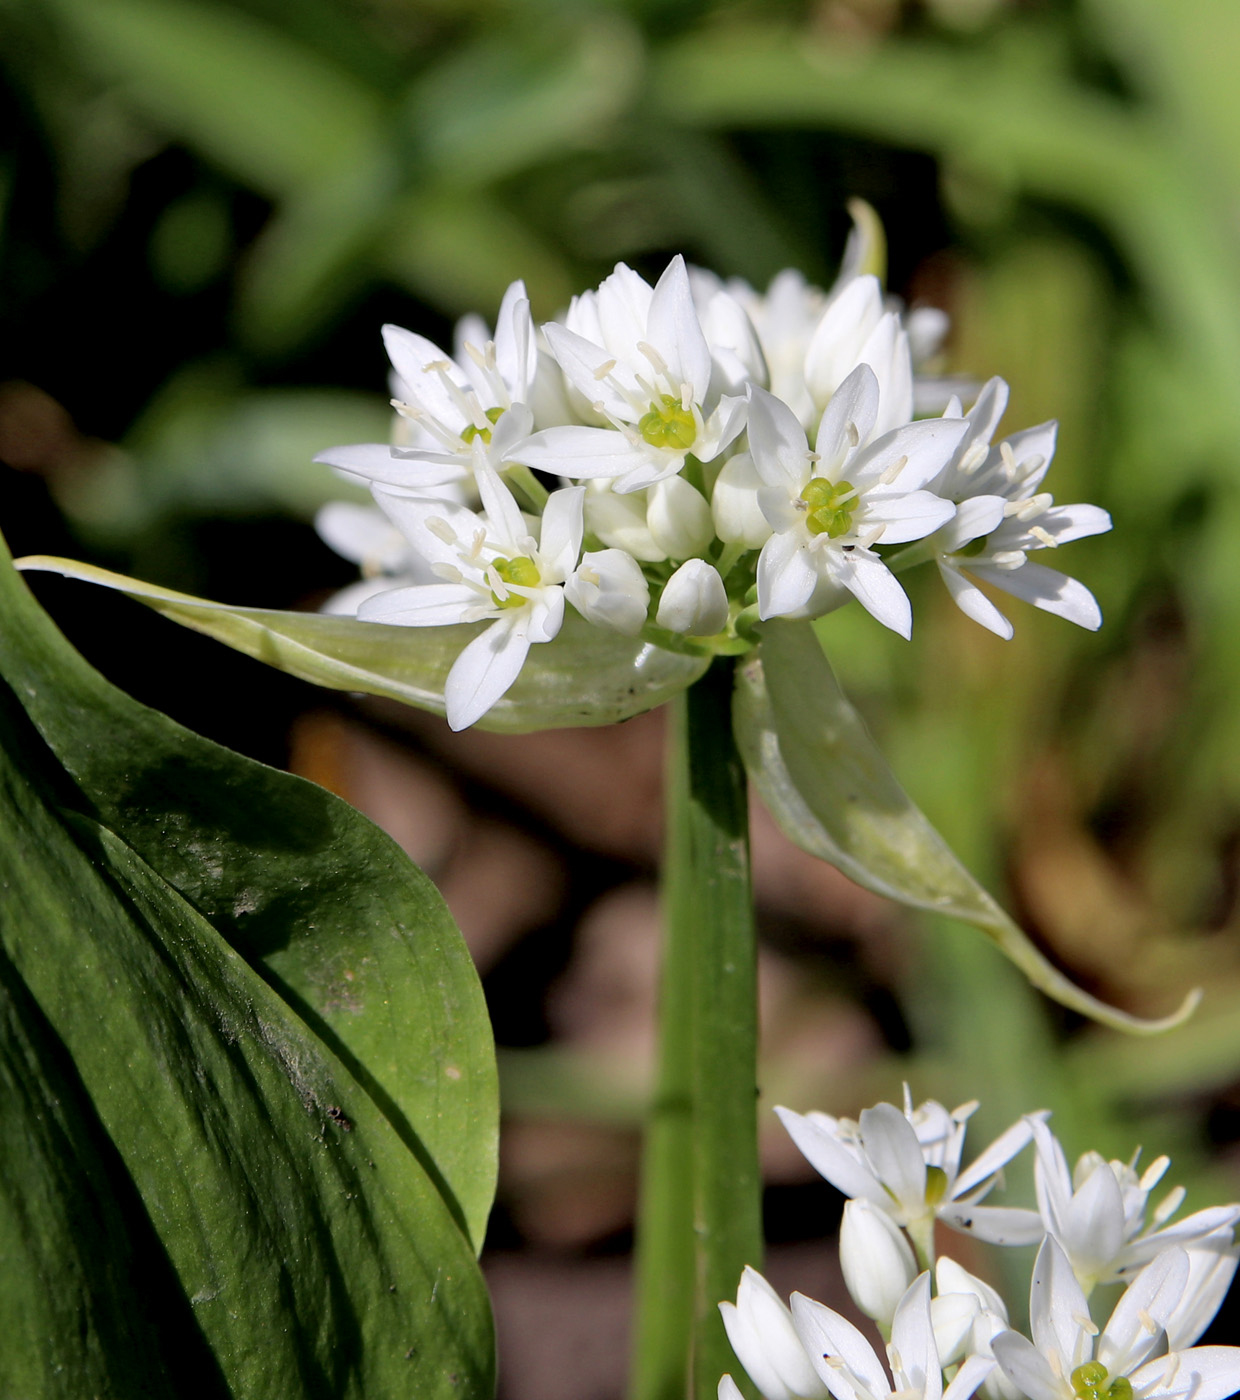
850	429
448	572
1086	1324
440	528
893	471
1147	1322
603	371
1169	1204
1154	1173
1045	536
686	397
657	360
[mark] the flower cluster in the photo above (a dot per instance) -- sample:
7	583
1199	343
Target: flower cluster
947	1332
648	461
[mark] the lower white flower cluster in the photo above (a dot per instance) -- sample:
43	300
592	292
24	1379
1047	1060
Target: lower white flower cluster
947	1332
648	461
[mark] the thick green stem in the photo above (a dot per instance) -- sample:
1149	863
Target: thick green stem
701	1219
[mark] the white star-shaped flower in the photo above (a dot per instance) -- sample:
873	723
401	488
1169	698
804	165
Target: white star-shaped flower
1099	1212
908	1165
829	507
638	358
458	412
493	568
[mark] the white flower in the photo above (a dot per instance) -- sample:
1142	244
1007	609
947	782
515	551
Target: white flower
609	589
1002	518
734	507
829	507
678	518
855	329
638	357
1098	1213
785	319
759	1327
493	568
850	1369
621	521
908	1165
876	1260
694	601
458	413
1069	1359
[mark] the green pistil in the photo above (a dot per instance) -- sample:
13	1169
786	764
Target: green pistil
471	432
1089	1383
668	424
523	572
830	505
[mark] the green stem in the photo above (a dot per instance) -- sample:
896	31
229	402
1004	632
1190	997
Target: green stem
701	1219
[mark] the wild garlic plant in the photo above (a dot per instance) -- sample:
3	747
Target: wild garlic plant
654	498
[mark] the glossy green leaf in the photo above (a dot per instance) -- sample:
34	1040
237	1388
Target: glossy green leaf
587	676
828	786
275	1171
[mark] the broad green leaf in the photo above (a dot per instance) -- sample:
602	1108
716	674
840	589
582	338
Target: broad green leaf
830	789
288	1177
587	676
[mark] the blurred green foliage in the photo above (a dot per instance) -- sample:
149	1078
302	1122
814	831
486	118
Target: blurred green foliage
210	206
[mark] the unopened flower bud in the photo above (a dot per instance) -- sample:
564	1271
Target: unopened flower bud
876	1259
609	589
760	1328
678	518
620	522
734	504
694	601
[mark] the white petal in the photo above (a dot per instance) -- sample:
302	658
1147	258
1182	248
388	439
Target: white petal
787	574
848	421
910	516
830	1158
1007	1225
585	366
375	461
516	347
508	526
876	1260
1128	1339
967	1379
1093	1226
912	1340
975	517
580	453
924	447
679	519
1058	1312
734	507
1028	1368
673	329
777	443
875	587
895	1154
484	671
610	590
1067	523
559	544
1201	1373
834	348
825	1334
1047	589
427	605
410	354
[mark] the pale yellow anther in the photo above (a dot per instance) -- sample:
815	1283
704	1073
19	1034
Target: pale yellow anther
1148	1324
478	356
588	575
850	429
440	528
601	373
657	360
1154	1173
495	583
1086	1324
1045	536
448	572
893	471
1008	456
1169	1204
406	410
437	367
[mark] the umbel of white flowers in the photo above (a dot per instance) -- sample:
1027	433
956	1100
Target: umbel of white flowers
947	1332
684	461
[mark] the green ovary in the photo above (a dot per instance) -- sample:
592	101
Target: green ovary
1089	1383
523	572
936	1185
830	506
668	424
472	432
